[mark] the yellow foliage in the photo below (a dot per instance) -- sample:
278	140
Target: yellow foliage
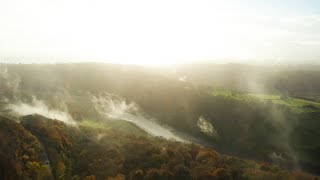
120	177
60	172
92	177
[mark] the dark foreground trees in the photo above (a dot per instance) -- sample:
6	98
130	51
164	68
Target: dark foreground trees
41	148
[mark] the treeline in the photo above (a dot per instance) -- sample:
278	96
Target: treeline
89	77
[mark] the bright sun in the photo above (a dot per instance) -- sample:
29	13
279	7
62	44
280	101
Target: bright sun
134	32
143	31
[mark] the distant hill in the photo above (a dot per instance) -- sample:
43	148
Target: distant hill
267	114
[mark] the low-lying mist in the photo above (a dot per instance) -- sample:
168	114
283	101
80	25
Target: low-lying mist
116	108
39	107
206	127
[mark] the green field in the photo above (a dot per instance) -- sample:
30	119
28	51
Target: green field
298	105
295	104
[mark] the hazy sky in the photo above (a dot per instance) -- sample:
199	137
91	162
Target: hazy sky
160	31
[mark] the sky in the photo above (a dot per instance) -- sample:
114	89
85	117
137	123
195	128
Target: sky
160	32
